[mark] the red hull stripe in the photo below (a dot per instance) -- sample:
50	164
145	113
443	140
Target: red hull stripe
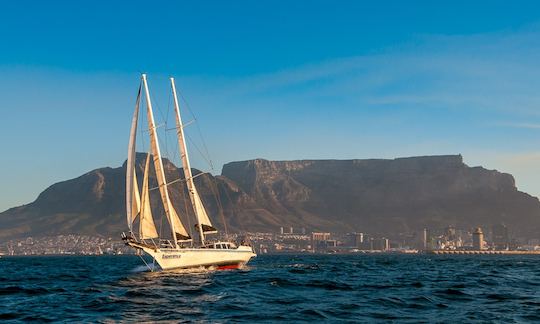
229	266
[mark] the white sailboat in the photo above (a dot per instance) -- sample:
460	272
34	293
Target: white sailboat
181	251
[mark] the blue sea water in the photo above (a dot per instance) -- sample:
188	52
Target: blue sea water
318	288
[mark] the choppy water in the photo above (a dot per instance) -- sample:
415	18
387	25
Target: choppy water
325	288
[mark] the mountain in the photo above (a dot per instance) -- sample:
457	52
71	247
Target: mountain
385	197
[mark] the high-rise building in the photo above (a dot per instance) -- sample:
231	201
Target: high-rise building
425	239
291	230
358	239
500	237
281	230
478	239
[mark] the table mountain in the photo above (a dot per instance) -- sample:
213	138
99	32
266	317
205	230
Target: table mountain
384	197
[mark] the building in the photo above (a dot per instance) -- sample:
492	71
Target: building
315	237
478	239
450	233
500	237
320	241
380	244
358	239
425	239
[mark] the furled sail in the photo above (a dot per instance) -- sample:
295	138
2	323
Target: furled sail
147	228
178	229
204	224
132	192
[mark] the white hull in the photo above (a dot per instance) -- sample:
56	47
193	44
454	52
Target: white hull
183	258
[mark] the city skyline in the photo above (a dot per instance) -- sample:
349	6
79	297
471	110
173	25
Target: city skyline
383	82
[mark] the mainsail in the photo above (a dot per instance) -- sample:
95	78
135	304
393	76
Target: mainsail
204	225
147	228
132	190
179	232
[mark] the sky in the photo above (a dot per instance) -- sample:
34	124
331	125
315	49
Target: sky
279	80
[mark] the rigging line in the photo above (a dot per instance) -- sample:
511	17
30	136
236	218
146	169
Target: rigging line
143	260
158	106
171	159
174	157
169	104
198	129
215	191
177	180
233	210
205	158
184	125
187	212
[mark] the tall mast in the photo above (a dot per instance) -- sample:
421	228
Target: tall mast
132	192
203	222
174	221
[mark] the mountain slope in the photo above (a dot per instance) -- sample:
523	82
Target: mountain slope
387	196
384	197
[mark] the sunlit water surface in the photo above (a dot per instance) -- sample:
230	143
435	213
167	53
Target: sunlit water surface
325	288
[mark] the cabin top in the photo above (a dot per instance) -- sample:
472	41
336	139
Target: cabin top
221	245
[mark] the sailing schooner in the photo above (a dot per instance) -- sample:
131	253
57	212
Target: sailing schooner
181	251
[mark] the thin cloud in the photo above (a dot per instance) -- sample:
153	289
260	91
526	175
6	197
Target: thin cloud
519	125
493	72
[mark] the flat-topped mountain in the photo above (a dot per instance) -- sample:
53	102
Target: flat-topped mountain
384	197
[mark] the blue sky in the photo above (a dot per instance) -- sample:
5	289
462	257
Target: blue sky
276	80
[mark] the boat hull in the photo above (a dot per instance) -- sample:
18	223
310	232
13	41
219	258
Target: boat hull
185	258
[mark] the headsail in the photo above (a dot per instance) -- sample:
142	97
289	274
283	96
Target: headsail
179	232
204	225
132	192
147	228
136	206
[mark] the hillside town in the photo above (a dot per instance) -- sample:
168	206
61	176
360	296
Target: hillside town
298	240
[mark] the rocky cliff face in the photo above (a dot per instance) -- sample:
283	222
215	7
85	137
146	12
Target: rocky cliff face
384	197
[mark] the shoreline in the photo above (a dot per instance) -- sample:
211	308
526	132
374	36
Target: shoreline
489	252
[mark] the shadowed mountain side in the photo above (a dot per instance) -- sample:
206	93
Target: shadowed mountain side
94	204
387	196
384	197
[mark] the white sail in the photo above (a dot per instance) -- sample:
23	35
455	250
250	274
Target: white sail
179	232
204	225
132	192
147	228
136	206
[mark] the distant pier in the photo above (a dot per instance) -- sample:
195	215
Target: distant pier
514	252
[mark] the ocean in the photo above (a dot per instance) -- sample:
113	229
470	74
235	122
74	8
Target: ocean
274	288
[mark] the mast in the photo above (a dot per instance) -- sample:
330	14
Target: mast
176	225
132	192
203	222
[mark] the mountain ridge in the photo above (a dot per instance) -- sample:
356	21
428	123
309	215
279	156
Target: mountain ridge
380	196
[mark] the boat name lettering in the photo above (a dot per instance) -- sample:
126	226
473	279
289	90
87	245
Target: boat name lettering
172	256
